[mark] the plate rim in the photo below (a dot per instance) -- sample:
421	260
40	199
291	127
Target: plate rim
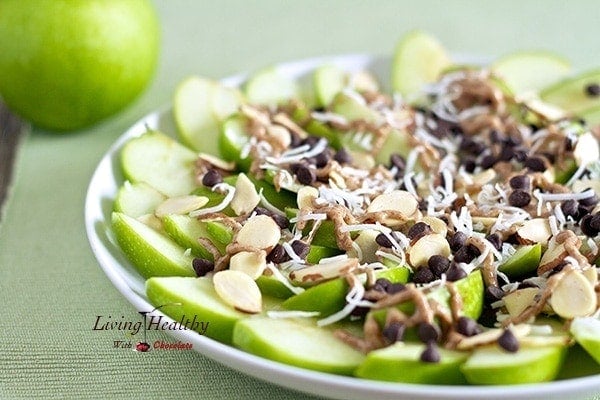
288	376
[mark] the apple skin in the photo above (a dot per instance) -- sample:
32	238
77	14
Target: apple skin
197	297
401	362
152	253
586	332
72	63
185	231
525	261
493	366
298	343
137	199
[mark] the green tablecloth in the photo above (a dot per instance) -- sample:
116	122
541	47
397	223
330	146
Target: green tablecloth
51	287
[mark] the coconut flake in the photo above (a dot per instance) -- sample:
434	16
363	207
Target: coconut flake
279	276
353	299
222	205
275	314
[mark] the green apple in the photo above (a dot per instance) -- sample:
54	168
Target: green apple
491	365
270	87
530	71
302	116
578	363
329	80
570	94
219	233
185	231
316	253
591	116
161	162
281	200
401	362
586	332
524	262
349	108
194	297
273	287
67	64
298	343
199	106
233	139
152	253
137	199
418	60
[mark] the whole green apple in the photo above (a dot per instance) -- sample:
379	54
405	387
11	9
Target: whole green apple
66	64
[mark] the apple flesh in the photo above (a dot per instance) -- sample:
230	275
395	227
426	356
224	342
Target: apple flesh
570	94
185	231
270	87
524	262
586	332
298	343
137	199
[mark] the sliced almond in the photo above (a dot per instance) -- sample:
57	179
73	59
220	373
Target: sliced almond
238	290
306	196
397	200
259	232
547	110
245	198
487	222
518	301
180	205
591	274
364	81
552	257
586	150
152	221
437	225
491	336
581	185
280	134
484	177
255	114
536	230
252	263
573	296
217	162
362	159
322	272
429	245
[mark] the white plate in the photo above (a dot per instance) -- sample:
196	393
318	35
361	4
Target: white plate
101	193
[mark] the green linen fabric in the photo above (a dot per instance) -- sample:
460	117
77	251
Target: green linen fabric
51	287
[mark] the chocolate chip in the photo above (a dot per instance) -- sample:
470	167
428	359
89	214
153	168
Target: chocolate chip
296	140
471	146
423	275
300	248
305	174
430	354
469	164
521	155
262	211
211	178
512	141
570	143
342	156
418	230
468	327
508	341
311	140
438	264
394	332
519	198
381	285
522	182
495	136
278	255
457	241
595	222
570	208
586	226
535	164
466	254
589	201
427	332
322	159
202	266
383	240
488	161
493	293
394	288
495	240
506	154
592	90
280	220
455	273
396	160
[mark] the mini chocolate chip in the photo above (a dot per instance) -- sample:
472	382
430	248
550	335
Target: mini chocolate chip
360	311
520	155
311	140
418	230
296	140
466	254
396	160
430	354
305	175
457	241
211	178
468	327
295	167
427	332
512	141
570	208
262	211
455	273
471	146
535	164
519	198
342	156
469	164
300	248
202	266
589	201
322	159
383	240
488	161
394	332
550	157
507	153
586	226
495	240
592	90
595	222
522	182
508	341
569	143
381	285
493	293
423	275
280	220
495	136
438	264
278	255
394	288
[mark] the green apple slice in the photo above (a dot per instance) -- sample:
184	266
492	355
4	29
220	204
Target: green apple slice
586	332
271	286
524	262
418	59
161	162
570	94
137	199
233	139
316	253
185	231
281	200
194	297
296	343
578	363
329	80
219	233
350	108
591	116
152	253
270	87
401	362
493	366
530	71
